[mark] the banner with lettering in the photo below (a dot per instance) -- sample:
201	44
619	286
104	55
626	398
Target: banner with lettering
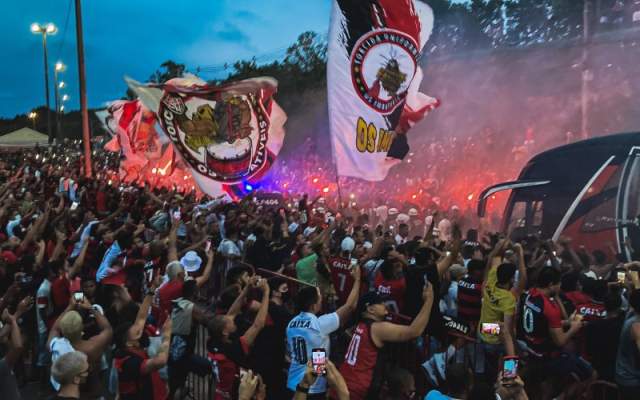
374	77
227	135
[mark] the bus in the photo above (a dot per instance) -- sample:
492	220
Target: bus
588	191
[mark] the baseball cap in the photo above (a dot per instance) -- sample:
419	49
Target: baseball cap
368	299
413	212
393	211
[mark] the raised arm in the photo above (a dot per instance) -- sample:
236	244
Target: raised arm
202	279
79	261
15	343
261	317
160	360
389	332
236	307
173	240
97	343
520	286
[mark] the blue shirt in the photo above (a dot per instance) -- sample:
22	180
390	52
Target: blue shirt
108	259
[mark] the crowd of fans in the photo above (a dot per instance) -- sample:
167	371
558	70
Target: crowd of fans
114	291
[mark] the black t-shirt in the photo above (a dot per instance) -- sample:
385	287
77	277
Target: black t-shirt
601	345
258	253
415	278
270	343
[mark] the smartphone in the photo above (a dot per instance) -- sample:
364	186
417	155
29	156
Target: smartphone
509	367
490	329
78	297
354	262
319	361
243	372
74	206
177	214
207	246
633	275
148	272
621	277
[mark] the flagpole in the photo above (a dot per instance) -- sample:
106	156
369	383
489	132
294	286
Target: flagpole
340	205
86	138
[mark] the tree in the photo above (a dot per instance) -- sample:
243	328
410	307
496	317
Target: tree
168	70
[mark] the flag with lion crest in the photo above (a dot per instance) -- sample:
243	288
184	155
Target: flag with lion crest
227	135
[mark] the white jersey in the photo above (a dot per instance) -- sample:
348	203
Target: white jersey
306	332
43	305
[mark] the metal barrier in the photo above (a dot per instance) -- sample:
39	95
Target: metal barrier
200	387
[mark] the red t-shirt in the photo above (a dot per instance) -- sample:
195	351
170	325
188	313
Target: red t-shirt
393	289
167	293
360	362
341	278
591	311
577	297
60	294
101	201
540	313
228	359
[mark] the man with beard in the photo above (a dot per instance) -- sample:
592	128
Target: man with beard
71	370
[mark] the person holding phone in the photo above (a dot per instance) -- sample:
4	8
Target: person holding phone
362	368
307	331
546	333
499	296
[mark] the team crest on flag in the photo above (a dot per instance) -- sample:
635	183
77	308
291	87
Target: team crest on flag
222	139
225	134
374	77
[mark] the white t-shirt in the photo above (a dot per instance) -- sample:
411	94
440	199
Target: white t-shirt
43	301
228	248
58	347
306	332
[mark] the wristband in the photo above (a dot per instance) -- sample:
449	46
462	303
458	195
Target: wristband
302	389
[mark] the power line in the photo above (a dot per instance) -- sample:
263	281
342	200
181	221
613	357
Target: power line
64	30
274	54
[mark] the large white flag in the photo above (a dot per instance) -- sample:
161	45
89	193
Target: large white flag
227	135
373	78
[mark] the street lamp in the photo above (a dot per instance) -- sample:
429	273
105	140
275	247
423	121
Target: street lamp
32	116
65	97
61	85
44	30
59	68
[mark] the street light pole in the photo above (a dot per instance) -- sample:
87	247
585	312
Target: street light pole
59	67
48	29
57	101
86	138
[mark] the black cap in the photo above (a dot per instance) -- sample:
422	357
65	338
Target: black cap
369	299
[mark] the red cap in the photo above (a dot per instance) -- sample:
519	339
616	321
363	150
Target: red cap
117	278
9	257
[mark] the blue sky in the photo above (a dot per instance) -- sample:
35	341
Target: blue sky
133	37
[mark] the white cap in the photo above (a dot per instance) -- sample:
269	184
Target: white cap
348	244
402	218
293	227
191	261
393	211
308	231
367	245
413	212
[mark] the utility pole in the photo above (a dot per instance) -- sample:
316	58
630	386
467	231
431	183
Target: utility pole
44	30
86	138
587	74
